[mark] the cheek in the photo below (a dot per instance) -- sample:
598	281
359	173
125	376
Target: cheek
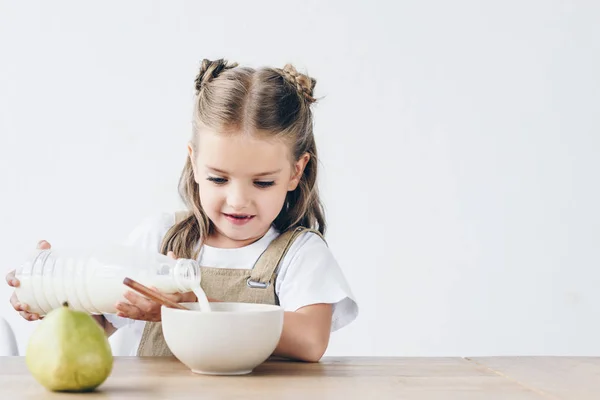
273	202
209	197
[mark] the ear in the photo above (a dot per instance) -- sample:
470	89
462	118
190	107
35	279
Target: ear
298	171
192	156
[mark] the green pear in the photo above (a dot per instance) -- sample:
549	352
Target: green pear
69	352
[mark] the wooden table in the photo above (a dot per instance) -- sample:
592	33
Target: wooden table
506	378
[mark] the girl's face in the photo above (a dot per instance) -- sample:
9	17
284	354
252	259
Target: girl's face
243	181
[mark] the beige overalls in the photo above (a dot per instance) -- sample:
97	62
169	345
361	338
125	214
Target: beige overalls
256	285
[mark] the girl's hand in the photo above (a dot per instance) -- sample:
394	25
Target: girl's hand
12	281
141	308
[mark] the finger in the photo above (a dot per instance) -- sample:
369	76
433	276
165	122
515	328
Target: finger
14	301
188	297
17	305
176	297
180	297
128	311
142	303
134	312
29	316
133	297
43	245
11	280
160	291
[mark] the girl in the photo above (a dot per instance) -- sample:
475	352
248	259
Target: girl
254	219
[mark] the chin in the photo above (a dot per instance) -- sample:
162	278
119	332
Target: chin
241	233
237	235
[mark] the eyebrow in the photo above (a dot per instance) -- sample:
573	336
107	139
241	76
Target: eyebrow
220	171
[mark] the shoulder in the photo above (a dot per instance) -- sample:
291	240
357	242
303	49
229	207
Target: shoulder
150	231
310	243
308	251
307	247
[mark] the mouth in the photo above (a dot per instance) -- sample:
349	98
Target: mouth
239	218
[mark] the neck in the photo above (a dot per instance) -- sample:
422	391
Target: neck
219	240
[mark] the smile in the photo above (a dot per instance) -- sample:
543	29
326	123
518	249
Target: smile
239	219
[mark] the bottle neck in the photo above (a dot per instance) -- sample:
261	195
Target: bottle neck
186	275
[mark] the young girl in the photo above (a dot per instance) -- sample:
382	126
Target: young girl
254	219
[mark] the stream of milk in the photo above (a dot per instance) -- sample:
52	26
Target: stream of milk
202	300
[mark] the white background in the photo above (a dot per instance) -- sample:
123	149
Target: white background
459	140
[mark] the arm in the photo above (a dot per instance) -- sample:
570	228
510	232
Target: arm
305	335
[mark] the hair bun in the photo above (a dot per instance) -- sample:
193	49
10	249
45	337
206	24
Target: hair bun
209	70
303	83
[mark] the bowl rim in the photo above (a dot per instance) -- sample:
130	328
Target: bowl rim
261	309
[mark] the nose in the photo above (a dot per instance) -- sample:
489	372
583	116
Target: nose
238	197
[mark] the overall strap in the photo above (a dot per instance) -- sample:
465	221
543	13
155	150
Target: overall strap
263	272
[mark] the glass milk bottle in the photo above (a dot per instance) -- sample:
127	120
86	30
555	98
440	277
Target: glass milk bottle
92	280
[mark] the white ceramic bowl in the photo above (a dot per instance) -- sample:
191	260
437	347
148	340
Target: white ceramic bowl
232	339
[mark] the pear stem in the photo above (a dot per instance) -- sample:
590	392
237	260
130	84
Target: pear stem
65	304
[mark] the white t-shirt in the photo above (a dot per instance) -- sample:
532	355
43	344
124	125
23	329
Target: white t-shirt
308	274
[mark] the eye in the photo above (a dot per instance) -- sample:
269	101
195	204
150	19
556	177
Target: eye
264	184
217	181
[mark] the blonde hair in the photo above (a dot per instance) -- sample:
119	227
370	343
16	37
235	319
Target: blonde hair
275	102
